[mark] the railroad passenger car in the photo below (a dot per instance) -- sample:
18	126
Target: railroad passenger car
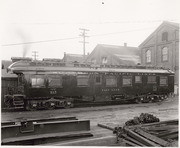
43	84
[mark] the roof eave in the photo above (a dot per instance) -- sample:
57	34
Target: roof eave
151	35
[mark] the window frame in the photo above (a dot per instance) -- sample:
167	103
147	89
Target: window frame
78	77
38	77
148	56
164	54
110	77
98	83
151	82
135	81
104	60
55	77
163	77
127	77
164	36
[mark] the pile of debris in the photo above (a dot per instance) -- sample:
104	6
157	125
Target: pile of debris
142	119
147	130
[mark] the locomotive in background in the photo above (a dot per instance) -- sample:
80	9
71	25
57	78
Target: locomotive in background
52	84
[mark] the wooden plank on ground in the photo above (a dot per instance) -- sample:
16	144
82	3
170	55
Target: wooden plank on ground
105	126
130	143
152	137
166	133
132	140
140	138
172	136
161	128
168	122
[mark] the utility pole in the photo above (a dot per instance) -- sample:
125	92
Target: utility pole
35	55
83	34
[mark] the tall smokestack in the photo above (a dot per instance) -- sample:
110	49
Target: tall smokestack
125	44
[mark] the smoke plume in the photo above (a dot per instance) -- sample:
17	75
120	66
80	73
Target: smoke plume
25	39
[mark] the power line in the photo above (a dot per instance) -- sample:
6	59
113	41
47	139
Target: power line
55	40
34	42
120	32
105	22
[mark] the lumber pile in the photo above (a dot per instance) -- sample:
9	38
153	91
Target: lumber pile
156	134
146	130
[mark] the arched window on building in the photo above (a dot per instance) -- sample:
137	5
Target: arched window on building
164	36
148	56
164	54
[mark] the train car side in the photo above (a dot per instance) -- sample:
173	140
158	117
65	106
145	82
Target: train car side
49	87
97	87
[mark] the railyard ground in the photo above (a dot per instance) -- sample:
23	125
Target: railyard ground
109	115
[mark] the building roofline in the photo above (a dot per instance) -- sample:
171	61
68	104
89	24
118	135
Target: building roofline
117	46
170	24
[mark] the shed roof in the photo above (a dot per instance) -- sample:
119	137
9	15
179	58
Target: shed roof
125	54
74	57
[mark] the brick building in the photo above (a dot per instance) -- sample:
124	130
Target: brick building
114	55
161	49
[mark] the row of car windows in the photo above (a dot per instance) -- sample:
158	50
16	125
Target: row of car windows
110	81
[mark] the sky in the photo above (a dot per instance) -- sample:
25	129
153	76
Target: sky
52	27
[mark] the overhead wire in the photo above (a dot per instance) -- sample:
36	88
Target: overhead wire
55	40
34	42
121	32
104	22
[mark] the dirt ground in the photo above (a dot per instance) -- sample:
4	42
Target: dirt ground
109	115
165	110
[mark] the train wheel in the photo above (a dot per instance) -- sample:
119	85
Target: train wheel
67	104
156	99
29	107
149	99
49	105
165	97
160	98
138	100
